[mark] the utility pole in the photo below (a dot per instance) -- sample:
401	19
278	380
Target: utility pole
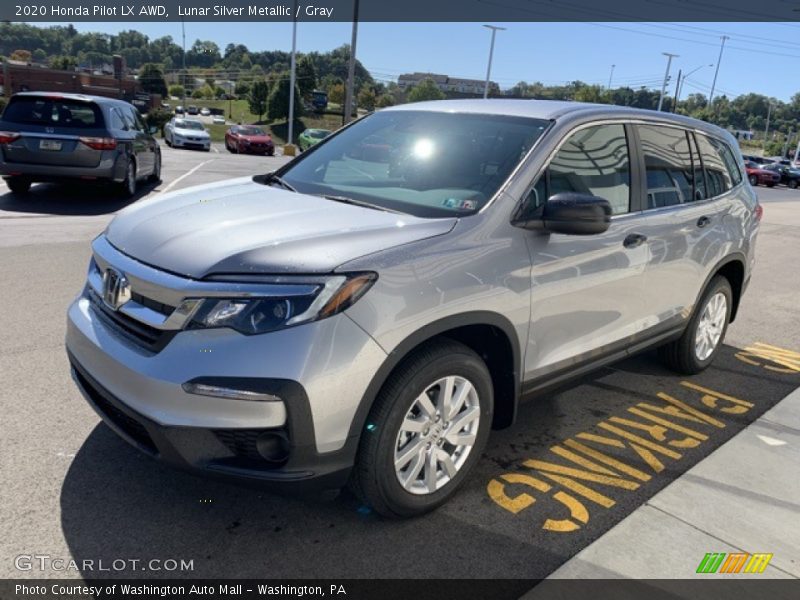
491	53
290	134
766	129
666	78
785	148
684	78
716	71
183	35
351	70
610	75
677	89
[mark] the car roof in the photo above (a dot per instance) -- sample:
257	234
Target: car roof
71	96
552	110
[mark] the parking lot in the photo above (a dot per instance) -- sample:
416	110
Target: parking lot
73	489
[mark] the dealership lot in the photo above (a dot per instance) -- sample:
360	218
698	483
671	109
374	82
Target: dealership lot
75	490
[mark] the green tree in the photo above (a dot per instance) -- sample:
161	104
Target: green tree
336	93
384	100
425	90
258	97
279	99
306	75
152	79
177	90
367	99
64	63
242	88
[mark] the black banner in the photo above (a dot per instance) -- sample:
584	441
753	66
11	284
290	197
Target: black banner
405	11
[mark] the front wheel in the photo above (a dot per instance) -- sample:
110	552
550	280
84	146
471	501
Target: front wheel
753	180
18	185
425	432
128	186
155	176
793	184
703	337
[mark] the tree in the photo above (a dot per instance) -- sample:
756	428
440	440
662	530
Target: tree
39	55
21	55
367	99
258	97
64	63
384	100
242	88
306	76
425	90
177	90
279	99
336	93
152	79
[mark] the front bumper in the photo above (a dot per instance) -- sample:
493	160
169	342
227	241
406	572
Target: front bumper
186	143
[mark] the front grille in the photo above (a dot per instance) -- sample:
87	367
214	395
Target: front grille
242	442
164	309
130	426
141	334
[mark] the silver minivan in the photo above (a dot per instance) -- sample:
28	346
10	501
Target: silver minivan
367	313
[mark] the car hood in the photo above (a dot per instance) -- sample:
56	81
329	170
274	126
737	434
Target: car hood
258	139
240	226
193	132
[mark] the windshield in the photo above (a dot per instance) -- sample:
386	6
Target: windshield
429	164
318	134
53	112
251	131
189	124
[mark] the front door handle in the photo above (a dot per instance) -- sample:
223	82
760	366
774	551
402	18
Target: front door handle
634	239
703	221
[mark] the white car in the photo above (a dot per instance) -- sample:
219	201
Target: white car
218	120
205	112
187	133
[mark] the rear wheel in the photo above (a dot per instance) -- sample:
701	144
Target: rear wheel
128	186
18	185
425	432
770	185
155	176
753	180
703	337
793	184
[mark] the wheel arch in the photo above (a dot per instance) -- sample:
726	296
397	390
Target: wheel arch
732	267
473	329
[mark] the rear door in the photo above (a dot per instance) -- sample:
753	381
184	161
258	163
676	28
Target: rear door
143	143
586	297
687	196
51	128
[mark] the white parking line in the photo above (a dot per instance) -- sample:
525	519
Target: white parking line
185	175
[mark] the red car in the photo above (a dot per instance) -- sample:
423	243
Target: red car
758	175
249	139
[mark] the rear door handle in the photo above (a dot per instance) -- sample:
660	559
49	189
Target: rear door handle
703	221
634	239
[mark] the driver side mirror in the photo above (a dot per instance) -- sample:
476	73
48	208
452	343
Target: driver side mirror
576	214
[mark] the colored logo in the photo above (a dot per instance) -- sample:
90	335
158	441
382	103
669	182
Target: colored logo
736	562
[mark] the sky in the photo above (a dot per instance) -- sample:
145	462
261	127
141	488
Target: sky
758	57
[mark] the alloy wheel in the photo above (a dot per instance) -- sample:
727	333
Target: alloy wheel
711	325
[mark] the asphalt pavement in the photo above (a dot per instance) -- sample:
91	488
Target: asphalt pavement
576	463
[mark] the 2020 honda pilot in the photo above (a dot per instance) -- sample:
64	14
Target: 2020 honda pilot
367	313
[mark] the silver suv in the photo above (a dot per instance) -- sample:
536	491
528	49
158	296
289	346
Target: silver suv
367	313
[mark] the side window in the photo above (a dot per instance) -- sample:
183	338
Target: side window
700	189
138	124
668	165
729	159
718	179
594	161
116	120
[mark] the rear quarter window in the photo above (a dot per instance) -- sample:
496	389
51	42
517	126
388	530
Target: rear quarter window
53	112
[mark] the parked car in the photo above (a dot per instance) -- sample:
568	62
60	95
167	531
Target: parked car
330	323
54	137
205	112
756	174
249	139
192	110
218	120
179	110
759	160
187	133
309	137
788	175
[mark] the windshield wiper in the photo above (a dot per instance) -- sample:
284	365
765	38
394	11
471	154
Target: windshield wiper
273	178
354	202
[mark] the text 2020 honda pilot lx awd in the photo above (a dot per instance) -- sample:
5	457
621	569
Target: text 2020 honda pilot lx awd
367	313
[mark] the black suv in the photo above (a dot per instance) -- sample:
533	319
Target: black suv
789	176
60	137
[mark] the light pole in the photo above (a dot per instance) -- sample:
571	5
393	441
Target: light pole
666	78
681	80
716	71
183	35
610	75
351	70
494	29
290	133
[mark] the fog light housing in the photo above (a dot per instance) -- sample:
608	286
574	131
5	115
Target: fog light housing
273	447
216	391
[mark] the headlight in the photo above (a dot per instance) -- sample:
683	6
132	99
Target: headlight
263	313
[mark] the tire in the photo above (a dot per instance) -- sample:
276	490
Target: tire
167	141
375	480
793	184
155	176
684	355
753	180
18	185
771	185
128	186
228	147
